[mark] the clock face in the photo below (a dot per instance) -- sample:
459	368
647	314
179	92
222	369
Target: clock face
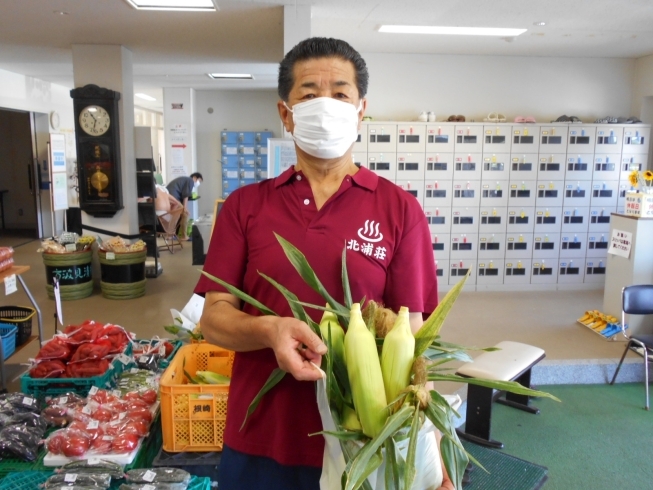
94	120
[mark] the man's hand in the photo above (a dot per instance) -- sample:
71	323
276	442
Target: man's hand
296	346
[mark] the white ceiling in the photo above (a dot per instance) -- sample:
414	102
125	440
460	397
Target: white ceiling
177	49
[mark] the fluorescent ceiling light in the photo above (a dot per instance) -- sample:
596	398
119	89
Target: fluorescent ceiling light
145	96
189	5
231	76
448	30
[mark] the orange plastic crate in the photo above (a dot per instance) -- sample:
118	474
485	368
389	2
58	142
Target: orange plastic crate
193	416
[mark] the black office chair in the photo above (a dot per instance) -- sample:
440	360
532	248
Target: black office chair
637	300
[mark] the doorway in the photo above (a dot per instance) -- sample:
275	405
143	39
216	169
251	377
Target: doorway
23	165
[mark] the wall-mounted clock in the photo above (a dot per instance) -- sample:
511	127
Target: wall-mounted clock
54	120
98	150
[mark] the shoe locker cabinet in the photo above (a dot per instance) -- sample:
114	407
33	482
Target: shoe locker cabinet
244	158
524	206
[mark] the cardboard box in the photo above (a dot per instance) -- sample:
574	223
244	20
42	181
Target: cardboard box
639	204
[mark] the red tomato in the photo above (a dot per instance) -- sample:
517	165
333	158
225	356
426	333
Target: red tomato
75	445
140	414
56	441
149	397
103	414
101	446
125	443
138	426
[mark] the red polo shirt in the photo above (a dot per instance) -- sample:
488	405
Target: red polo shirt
389	259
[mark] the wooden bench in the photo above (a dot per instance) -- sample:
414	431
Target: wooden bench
512	363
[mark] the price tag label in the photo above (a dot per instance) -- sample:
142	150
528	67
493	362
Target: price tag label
93	424
93	390
124	359
117	393
149	476
71	247
70	477
10	284
111	256
133	370
94	461
105	438
86	410
28	401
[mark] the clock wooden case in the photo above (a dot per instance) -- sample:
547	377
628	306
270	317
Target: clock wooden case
97	133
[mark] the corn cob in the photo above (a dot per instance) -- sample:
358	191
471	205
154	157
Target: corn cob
350	419
211	378
365	378
397	356
330	322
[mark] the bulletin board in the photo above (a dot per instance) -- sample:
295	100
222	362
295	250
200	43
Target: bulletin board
281	156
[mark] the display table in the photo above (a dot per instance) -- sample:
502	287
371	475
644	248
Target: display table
636	269
18	270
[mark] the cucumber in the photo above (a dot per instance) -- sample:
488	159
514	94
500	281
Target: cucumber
93	466
158	475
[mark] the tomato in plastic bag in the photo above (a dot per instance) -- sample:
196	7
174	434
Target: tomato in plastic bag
125	443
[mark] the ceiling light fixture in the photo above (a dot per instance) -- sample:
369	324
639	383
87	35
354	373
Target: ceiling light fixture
449	30
230	76
178	5
541	23
145	97
59	12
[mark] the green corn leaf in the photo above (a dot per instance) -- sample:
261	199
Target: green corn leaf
343	435
455	460
511	386
275	377
320	307
441	357
349	450
372	464
242	296
431	328
392	479
301	265
345	280
297	310
409	476
359	465
442	402
453	347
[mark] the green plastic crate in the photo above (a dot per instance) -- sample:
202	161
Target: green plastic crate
25	480
81	386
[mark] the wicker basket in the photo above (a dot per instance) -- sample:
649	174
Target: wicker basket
21	318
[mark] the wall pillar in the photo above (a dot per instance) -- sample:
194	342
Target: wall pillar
110	66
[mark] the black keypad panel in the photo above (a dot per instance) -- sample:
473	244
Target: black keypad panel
436	166
488	272
438	193
551	140
438	138
522	167
466	139
459	272
539	271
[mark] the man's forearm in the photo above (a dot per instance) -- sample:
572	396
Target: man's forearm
225	325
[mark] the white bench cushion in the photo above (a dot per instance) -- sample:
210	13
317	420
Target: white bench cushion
504	364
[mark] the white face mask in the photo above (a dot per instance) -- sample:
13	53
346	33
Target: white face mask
325	127
196	184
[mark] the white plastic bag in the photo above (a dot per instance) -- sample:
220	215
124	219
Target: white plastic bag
427	461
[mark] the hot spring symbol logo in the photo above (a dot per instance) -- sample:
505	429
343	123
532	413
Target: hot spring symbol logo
370	232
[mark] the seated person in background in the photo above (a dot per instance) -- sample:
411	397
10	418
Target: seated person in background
164	201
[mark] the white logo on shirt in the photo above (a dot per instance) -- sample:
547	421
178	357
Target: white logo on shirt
370	232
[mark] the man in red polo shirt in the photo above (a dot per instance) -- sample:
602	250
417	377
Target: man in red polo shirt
321	205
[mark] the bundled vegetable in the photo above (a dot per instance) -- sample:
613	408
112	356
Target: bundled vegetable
382	401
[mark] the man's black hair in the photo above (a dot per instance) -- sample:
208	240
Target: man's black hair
321	47
197	175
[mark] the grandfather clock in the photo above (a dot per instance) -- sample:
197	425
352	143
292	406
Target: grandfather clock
97	133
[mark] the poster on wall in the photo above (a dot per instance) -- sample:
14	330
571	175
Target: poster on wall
59	191
281	156
58	152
